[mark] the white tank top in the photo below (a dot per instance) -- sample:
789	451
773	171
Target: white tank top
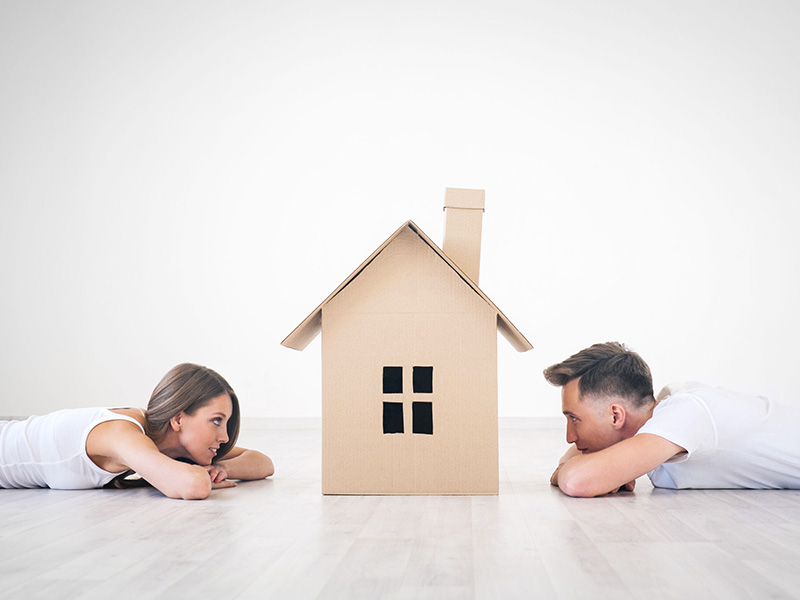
50	450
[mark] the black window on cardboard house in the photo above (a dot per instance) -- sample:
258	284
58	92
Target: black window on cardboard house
423	380
421	412
392	380
422	417
393	417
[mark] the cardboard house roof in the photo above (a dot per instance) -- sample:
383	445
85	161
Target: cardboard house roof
304	333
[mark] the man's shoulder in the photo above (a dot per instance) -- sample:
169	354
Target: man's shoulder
684	418
681	386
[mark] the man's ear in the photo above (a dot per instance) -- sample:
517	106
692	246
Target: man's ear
618	415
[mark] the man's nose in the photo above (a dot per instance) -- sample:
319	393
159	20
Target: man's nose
571	437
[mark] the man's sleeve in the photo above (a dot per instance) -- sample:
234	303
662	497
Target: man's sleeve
685	420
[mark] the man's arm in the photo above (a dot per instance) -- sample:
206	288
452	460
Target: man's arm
607	470
572	452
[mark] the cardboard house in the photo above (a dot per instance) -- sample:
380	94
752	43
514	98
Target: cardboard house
409	365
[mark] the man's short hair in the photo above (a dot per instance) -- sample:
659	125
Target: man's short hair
609	369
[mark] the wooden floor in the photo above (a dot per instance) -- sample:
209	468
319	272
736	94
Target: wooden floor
281	538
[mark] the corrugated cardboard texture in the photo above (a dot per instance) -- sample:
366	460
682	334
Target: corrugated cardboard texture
464	198
407	309
312	324
462	239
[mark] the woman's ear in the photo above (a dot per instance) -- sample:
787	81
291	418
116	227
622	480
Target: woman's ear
618	416
175	422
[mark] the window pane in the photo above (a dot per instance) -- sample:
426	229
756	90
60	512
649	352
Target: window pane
392	380
393	417
423	380
422	421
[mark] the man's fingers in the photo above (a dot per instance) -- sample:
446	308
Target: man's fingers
225	483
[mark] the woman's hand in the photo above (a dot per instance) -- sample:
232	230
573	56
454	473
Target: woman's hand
241	463
219	477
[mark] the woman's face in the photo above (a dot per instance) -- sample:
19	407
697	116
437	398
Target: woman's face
202	433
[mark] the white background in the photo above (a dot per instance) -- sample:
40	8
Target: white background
186	181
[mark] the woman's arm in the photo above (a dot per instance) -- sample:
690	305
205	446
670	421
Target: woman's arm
121	445
241	463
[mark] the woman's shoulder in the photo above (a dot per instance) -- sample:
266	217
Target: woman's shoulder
137	414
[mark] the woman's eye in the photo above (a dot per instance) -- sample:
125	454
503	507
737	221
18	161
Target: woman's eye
217	421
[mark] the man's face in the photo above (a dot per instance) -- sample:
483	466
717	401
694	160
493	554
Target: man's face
590	423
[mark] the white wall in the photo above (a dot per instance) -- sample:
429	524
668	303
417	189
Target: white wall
186	181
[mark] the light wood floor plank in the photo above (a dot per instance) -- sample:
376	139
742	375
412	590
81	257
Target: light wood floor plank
282	539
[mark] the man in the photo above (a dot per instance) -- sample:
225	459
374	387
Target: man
691	436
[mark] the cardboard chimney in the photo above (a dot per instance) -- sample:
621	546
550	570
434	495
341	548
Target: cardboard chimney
409	365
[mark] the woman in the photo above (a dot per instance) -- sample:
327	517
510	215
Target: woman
192	417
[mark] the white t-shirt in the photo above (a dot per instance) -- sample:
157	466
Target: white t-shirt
732	440
50	450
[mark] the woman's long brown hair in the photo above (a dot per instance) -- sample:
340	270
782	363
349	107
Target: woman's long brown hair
185	388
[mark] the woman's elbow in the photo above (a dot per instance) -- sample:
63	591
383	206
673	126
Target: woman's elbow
197	486
261	465
197	492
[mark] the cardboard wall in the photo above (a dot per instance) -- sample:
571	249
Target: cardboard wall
407	309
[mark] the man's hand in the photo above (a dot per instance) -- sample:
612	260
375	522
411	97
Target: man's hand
628	487
571	452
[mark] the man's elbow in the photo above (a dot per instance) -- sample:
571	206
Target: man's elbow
575	490
576	483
